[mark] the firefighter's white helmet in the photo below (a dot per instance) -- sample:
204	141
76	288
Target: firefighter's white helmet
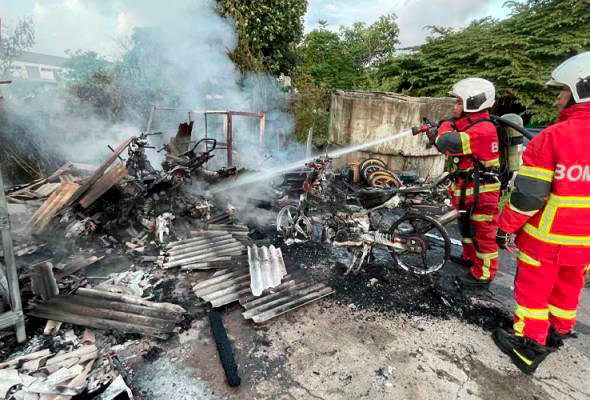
575	74
477	94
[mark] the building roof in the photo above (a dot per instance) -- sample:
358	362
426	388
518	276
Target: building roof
38	58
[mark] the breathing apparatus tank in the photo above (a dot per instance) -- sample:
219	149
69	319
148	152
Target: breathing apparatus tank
514	143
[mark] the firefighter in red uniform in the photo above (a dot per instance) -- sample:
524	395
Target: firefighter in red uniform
549	210
471	140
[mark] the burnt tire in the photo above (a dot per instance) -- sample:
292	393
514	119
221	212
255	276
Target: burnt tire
428	233
372	161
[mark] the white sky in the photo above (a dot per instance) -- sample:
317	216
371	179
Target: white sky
98	24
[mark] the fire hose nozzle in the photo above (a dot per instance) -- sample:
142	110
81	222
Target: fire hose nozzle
420	129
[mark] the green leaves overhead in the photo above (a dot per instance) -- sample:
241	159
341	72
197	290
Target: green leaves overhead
268	32
517	54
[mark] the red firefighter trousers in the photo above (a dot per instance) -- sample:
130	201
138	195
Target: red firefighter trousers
546	294
480	247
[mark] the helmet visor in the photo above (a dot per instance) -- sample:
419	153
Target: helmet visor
583	89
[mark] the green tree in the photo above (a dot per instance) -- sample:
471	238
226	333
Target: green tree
327	60
517	54
82	65
337	60
13	41
371	43
268	32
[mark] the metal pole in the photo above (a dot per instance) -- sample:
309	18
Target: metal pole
262	127
148	129
11	272
230	139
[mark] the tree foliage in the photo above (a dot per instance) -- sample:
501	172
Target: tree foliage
268	32
517	54
125	89
82	65
13	41
331	60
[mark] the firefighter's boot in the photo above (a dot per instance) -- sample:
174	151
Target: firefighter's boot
555	340
461	261
526	354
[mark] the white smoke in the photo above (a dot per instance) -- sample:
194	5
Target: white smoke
193	61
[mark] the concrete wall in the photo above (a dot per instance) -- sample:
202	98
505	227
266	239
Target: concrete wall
359	117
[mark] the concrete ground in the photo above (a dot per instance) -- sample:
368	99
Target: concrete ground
334	350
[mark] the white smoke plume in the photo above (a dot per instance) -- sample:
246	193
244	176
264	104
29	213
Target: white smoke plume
193	42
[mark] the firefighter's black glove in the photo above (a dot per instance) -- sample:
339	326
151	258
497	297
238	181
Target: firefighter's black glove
502	238
431	134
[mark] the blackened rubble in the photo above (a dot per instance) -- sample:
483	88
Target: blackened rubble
145	240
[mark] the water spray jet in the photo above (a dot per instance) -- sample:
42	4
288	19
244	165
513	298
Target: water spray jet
272	173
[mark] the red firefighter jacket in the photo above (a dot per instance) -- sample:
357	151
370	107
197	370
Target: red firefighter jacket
549	208
468	142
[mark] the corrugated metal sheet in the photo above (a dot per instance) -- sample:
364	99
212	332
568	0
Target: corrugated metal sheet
218	263
113	176
236	230
67	167
224	286
51	207
205	247
267	268
67	178
43	281
104	310
47	189
221	218
100	171
293	293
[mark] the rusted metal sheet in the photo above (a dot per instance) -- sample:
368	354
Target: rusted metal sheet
293	293
99	171
113	176
224	286
267	268
51	207
206	246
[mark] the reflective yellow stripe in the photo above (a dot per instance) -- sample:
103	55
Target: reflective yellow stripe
523	358
547	218
555	202
485	188
561	313
465	143
522	256
487	256
528	213
467	240
532	313
552	238
491	163
569	201
536	173
482	217
487	263
519	327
